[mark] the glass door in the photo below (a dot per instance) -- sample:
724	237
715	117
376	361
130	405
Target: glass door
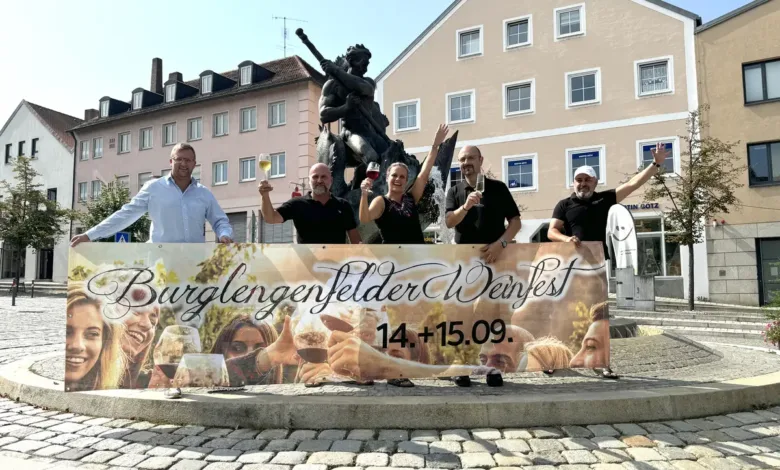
770	269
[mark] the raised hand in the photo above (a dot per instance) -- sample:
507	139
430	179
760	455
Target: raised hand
366	185
660	153
441	134
264	187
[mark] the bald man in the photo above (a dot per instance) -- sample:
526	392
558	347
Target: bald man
480	217
505	356
318	216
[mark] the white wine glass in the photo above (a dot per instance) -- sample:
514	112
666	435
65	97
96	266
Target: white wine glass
480	187
175	341
264	162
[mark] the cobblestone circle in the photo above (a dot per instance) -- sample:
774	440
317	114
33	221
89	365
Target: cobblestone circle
749	439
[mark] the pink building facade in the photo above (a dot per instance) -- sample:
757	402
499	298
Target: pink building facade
231	119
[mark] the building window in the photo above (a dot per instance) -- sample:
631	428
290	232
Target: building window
143	178
34	148
654	76
656	255
460	107
469	42
764	162
246	75
165	172
407	115
518	98
96	186
123	181
170	92
84	150
21	149
195	129
8	153
569	21
138	99
97	147
671	164
146	138
590	156
220	124
248	119
762	81
104	108
196	173
518	32
520	172
82	192
220	170
583	87
277	114
247	169
455	176
278	165
124	142
169	133
51	194
205	84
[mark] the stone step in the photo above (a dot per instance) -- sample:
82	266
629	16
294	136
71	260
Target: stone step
711	324
701	307
714	332
711	316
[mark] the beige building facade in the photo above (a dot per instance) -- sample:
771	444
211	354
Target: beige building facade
544	87
739	75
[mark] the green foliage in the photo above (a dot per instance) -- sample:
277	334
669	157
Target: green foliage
79	273
225	257
461	354
771	332
112	197
27	217
581	325
705	188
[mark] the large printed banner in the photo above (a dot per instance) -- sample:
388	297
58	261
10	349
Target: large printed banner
206	315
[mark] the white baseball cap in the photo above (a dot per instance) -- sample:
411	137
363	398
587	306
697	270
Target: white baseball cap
585	170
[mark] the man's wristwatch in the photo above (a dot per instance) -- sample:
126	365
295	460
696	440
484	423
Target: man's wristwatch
656	164
503	242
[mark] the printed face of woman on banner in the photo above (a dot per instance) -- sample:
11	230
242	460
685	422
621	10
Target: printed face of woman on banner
84	341
594	352
140	325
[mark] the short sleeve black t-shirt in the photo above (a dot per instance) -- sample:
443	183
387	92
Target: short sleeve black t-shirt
586	219
319	223
483	224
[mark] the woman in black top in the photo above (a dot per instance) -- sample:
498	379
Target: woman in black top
396	213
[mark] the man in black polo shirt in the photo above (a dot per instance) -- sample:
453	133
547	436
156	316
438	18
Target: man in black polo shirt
582	217
481	224
318	216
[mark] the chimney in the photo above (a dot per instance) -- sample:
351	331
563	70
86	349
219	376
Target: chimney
175	76
90	114
156	83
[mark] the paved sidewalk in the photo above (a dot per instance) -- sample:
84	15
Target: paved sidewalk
735	441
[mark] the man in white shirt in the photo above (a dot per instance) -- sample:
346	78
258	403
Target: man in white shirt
179	208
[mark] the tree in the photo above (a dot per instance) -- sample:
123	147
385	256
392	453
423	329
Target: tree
112	197
705	188
27	216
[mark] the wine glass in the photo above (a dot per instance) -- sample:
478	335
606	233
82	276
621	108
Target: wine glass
480	188
311	338
175	341
373	171
264	162
202	370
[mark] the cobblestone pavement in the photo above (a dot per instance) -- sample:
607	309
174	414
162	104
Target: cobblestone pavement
65	440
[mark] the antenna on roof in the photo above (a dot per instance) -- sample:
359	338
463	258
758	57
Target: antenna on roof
284	34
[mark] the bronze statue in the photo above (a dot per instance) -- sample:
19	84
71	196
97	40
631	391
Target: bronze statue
348	97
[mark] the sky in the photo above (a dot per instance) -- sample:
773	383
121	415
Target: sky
65	55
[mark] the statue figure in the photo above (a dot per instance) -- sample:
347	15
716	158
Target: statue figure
348	97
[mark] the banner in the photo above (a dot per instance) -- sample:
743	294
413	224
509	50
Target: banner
144	315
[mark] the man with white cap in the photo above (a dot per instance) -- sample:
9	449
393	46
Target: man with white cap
582	217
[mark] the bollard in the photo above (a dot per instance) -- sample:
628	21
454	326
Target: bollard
32	288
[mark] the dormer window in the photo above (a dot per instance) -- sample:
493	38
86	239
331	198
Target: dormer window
104	108
246	75
170	92
205	84
138	98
